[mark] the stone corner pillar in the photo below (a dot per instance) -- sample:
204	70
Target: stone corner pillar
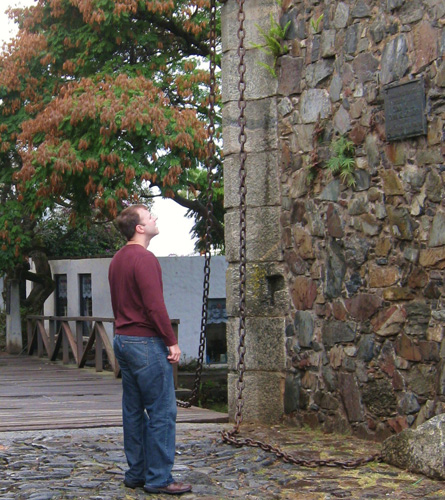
267	297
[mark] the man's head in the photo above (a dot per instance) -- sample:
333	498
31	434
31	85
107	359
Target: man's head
136	221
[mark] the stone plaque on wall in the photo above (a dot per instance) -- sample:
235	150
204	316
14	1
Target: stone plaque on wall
405	110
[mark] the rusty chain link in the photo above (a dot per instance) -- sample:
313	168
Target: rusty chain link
230	436
286	457
211	161
242	138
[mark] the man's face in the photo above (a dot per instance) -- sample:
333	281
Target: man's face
148	222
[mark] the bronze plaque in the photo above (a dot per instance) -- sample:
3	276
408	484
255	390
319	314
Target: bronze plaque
405	110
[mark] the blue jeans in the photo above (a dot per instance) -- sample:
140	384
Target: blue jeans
148	409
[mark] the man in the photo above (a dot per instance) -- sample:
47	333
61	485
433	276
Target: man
145	347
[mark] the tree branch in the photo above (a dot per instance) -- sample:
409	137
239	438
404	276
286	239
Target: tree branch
180	33
199	208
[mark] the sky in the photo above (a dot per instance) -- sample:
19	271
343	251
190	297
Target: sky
174	228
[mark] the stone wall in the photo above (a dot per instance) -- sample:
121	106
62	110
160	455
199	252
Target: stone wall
364	265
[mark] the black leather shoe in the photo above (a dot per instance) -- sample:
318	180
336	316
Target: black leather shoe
171	489
134	484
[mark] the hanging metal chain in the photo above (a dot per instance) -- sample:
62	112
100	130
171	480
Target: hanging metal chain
230	436
211	162
242	138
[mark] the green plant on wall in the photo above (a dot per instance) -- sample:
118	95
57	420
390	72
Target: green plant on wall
273	39
342	161
315	23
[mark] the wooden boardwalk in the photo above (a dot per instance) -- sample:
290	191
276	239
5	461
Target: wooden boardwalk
38	394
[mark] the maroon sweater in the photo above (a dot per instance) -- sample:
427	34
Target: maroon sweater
137	298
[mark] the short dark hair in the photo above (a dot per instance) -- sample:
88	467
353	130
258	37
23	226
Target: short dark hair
128	219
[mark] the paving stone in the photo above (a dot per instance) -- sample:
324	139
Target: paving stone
90	463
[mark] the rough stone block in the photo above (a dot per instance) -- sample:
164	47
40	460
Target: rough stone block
259	82
262	178
266	291
257	13
328	43
264	343
379	397
315	105
361	9
351	397
425	38
437	235
395	60
304	328
392	184
434	186
337	332
363	305
263	396
263	238
421	450
335	270
303	243
422	379
303	293
319	71
383	276
292	393
341	15
302	138
433	257
389	321
365	67
397	293
407	349
291	71
261	126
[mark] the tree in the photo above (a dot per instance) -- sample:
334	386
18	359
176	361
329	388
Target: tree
101	100
97	240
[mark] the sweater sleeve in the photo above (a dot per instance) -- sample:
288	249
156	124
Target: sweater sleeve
148	277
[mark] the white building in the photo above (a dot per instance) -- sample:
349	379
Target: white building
82	290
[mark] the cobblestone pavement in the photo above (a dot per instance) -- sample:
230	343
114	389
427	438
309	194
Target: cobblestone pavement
89	464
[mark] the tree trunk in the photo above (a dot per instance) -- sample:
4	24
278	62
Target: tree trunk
44	284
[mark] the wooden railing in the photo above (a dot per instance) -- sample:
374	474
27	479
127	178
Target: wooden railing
50	333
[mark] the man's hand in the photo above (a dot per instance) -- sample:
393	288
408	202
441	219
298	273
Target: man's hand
175	353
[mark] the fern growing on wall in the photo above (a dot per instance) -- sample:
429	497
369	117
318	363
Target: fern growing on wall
273	39
342	162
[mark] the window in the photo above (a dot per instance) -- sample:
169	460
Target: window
216	345
61	296
86	301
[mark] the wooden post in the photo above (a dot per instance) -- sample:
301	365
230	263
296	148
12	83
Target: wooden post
29	332
39	342
65	345
52	335
99	353
79	340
